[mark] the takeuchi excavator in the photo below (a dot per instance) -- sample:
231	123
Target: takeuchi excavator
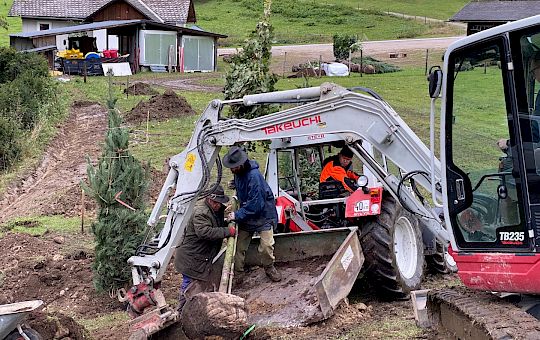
483	207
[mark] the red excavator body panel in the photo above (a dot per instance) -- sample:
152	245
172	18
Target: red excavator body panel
499	272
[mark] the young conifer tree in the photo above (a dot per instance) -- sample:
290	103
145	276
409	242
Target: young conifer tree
117	177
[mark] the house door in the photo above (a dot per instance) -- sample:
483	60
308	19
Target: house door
198	53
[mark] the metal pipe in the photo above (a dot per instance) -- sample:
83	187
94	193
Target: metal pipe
280	96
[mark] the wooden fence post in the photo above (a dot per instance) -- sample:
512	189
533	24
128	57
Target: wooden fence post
427	57
83	208
284	64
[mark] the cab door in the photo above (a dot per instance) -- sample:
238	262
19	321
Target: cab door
483	150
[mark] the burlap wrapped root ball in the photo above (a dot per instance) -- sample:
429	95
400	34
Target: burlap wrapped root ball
214	314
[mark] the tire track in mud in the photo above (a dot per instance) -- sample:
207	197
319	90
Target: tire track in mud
186	84
53	187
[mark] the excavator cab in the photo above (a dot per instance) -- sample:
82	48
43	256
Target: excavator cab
321	205
491	156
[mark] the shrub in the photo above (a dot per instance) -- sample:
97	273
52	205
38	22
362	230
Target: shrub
380	66
14	64
10	142
27	99
342	44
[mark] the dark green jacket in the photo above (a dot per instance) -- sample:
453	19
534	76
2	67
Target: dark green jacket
202	241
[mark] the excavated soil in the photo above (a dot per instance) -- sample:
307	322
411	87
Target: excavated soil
160	107
56	326
59	274
138	89
291	302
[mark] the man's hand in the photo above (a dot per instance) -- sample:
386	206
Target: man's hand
228	208
503	144
230	216
232	230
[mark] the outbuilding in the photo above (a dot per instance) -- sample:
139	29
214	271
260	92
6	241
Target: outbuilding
481	15
152	34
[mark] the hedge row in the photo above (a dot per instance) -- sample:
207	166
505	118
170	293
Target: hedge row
27	97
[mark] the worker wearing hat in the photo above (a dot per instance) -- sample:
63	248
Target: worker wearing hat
257	212
338	168
202	241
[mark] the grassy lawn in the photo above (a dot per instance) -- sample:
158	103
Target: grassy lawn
308	21
429	8
14	24
39	225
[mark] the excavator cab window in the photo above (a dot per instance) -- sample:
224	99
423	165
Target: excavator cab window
299	169
485	191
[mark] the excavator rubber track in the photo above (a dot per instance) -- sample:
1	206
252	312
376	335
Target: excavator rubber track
466	314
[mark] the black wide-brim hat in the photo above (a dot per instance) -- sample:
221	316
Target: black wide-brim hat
235	157
219	195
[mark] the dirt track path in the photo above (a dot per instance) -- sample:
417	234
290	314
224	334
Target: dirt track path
53	188
369	47
186	84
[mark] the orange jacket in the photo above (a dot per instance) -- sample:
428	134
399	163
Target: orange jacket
332	169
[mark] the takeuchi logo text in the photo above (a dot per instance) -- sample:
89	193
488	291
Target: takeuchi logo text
291	125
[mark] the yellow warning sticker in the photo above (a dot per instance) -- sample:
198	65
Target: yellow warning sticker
190	162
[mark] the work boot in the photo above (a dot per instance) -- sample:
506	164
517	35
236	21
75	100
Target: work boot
272	273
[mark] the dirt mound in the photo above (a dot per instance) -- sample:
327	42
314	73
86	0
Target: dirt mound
57	326
141	89
53	188
59	274
160	107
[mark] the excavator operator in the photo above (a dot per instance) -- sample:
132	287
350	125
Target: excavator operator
337	178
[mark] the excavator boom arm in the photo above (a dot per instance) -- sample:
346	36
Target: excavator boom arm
329	109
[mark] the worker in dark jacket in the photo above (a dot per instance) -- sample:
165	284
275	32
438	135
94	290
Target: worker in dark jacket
203	238
338	168
257	212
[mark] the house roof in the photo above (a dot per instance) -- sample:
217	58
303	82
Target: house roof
137	4
498	11
77	28
111	24
172	11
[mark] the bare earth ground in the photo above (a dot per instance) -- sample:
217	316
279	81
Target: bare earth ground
58	271
53	188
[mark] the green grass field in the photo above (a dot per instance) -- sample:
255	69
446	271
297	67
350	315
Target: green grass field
425	8
308	21
14	24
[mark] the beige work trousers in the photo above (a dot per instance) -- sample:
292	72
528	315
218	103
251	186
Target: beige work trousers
266	248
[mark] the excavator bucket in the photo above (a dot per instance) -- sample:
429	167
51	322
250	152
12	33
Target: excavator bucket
318	270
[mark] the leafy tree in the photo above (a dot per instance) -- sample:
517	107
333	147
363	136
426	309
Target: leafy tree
343	43
250	69
118	231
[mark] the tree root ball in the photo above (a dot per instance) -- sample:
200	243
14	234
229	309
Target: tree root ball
214	314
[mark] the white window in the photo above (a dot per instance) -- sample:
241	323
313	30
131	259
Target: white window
43	25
